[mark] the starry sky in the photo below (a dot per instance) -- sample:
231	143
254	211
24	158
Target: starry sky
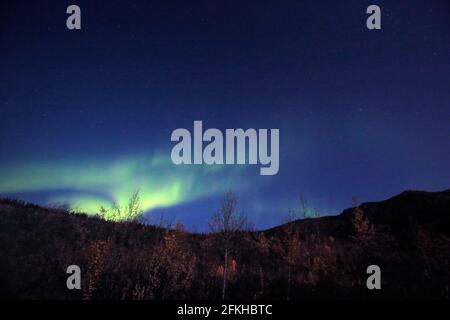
86	115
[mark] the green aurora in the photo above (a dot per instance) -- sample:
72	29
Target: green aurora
87	185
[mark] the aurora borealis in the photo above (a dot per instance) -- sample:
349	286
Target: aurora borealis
86	115
89	185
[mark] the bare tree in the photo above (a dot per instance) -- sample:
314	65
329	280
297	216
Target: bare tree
291	246
134	208
304	207
131	212
306	210
226	223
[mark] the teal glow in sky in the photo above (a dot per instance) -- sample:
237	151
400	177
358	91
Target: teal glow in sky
86	186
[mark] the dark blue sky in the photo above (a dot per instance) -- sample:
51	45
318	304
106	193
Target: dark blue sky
86	116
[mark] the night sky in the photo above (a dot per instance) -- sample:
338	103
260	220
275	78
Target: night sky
86	116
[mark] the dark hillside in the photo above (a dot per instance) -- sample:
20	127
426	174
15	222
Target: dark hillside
407	236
